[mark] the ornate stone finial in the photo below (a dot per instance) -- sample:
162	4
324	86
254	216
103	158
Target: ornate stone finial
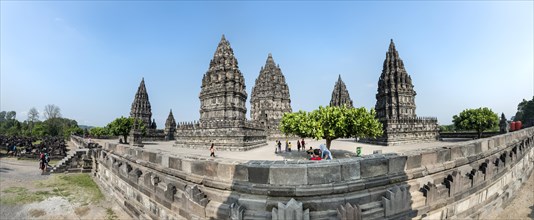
236	211
270	97
349	212
397	200
340	94
141	108
503	124
293	210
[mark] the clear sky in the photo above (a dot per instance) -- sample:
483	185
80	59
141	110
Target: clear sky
88	57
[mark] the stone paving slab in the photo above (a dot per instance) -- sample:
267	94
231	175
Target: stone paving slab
341	148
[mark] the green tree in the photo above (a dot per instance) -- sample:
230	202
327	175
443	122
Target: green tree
525	111
122	126
11	115
332	122
99	131
479	119
3	116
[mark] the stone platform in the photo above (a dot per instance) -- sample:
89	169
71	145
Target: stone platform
457	181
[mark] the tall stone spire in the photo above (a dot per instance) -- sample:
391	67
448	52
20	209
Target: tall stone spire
395	96
340	95
223	94
270	96
170	127
141	105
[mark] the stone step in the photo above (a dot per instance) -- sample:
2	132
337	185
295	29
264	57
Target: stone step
371	205
376	213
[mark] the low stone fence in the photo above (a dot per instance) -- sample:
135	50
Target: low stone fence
458	181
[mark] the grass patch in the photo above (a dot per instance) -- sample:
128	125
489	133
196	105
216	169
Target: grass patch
74	187
110	214
21	195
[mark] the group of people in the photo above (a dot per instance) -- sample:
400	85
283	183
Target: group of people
44	159
320	154
278	146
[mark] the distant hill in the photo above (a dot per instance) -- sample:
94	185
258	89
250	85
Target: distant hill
86	126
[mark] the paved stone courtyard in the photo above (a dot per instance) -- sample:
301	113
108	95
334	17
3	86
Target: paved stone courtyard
341	148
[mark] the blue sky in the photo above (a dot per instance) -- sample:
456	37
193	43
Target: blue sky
88	57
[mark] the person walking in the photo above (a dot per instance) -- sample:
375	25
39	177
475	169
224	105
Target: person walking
298	145
212	150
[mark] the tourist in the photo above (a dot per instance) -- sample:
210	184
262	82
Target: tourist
279	146
287	143
298	145
212	150
302	144
325	152
315	156
310	151
43	164
289	147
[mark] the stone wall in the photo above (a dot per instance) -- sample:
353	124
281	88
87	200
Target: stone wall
460	181
407	130
225	135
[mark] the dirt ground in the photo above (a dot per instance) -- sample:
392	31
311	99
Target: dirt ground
24	177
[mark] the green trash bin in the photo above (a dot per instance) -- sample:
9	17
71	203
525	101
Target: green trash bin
358	151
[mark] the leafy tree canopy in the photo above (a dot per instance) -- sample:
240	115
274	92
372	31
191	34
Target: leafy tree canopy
332	122
525	111
122	126
479	119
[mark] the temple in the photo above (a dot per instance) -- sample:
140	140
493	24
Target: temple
340	95
170	127
222	109
270	99
142	111
141	106
395	106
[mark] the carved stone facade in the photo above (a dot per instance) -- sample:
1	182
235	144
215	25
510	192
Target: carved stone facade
223	95
141	106
340	95
395	106
222	109
142	110
270	98
170	127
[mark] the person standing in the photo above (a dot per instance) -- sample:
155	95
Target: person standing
212	150
279	146
302	144
287	144
289	147
298	145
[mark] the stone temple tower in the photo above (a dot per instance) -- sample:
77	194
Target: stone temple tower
141	106
270	98
396	96
223	95
170	127
222	109
395	106
340	95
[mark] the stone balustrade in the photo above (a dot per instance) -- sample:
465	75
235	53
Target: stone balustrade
457	181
